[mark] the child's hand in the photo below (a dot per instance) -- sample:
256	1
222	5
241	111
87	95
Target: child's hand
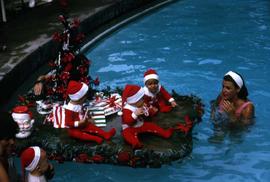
38	88
90	120
155	110
173	104
139	111
83	122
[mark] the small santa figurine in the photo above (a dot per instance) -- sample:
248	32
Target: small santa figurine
23	117
156	97
35	162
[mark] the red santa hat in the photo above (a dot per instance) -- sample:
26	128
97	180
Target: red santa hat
21	113
150	74
30	158
76	90
132	94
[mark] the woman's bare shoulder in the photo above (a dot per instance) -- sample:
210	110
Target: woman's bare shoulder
248	112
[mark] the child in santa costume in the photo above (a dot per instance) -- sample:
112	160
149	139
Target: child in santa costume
34	160
71	116
156	97
134	113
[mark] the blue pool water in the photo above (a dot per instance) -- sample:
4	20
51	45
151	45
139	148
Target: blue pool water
192	44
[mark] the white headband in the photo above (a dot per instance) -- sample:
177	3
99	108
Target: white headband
151	76
238	80
136	97
35	161
78	95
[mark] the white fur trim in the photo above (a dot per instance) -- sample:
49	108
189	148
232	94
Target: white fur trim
24	134
134	116
35	161
238	80
130	107
150	94
135	98
20	116
147	92
78	95
76	124
73	107
151	76
171	99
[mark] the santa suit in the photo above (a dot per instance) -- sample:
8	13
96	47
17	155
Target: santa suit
158	100
133	125
68	116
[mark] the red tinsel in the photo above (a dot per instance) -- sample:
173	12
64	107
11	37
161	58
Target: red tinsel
133	161
51	63
76	23
60	89
61	17
83	69
85	80
68	67
21	99
31	104
50	91
57	37
97	158
86	62
63	3
111	101
185	127
79	38
123	157
83	157
65	76
68	57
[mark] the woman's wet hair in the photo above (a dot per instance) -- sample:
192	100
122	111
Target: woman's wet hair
8	128
243	93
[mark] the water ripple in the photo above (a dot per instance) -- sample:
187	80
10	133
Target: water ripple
210	61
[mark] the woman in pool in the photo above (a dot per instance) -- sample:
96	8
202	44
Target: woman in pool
233	102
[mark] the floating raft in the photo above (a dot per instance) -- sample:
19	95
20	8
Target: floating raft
156	151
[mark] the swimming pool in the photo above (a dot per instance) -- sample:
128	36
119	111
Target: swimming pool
192	44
